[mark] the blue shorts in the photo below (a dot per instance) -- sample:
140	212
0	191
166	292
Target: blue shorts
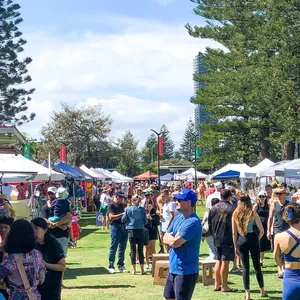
180	287
291	284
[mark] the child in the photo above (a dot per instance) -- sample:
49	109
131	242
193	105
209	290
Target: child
60	206
76	229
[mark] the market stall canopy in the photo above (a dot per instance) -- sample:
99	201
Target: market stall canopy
276	170
264	164
232	171
122	177
53	167
69	171
146	176
292	169
109	175
191	171
167	177
102	175
87	177
11	163
96	175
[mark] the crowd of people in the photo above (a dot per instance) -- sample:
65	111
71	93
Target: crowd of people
32	254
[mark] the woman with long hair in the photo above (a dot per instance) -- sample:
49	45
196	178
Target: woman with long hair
20	247
245	221
136	219
287	252
54	258
262	209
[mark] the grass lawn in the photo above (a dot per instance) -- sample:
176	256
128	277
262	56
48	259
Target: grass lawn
87	278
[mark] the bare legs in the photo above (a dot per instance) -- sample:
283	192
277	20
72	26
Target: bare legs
221	274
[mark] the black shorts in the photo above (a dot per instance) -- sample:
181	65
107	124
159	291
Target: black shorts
225	253
180	287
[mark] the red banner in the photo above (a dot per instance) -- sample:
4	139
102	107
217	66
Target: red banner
63	154
161	146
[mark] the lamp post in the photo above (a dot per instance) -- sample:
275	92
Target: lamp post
152	153
158	157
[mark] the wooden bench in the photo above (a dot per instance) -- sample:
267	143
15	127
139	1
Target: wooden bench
156	257
207	272
161	272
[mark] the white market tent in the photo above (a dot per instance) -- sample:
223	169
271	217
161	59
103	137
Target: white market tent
109	175
264	164
93	173
16	165
272	170
122	177
191	172
292	169
231	171
104	176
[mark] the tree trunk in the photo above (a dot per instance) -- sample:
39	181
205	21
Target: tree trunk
264	146
288	151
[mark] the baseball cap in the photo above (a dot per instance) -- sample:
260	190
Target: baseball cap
218	185
262	193
120	194
52	189
62	193
186	194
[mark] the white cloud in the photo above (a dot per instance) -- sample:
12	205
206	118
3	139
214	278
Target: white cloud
146	62
164	2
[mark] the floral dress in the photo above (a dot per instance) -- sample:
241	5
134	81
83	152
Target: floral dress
35	270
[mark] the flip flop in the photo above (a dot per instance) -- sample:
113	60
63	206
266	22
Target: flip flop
230	291
217	290
280	276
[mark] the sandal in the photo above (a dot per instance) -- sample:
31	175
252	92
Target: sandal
217	290
230	291
280	276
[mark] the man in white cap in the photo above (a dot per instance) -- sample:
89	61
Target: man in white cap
217	194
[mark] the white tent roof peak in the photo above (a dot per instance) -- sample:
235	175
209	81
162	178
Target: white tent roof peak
191	171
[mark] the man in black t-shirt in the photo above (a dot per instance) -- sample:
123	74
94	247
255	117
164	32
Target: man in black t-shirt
118	233
220	226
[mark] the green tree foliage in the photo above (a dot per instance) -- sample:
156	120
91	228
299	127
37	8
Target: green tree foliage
169	146
129	155
85	133
149	151
252	82
13	71
187	146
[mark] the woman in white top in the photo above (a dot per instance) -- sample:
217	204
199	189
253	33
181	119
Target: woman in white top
104	201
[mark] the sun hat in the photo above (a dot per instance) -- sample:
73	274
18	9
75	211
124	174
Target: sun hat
62	193
106	189
280	190
148	192
3	196
186	194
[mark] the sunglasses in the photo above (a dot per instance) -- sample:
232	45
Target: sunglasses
279	193
262	196
51	194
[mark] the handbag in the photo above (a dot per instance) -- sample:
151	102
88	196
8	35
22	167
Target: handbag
24	277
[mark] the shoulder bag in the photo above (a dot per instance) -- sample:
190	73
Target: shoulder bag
23	275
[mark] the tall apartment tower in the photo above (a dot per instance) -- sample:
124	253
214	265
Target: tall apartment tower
200	114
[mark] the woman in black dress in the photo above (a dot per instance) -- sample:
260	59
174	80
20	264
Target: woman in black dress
262	208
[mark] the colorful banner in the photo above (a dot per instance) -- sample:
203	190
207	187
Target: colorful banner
63	154
160	146
27	153
197	153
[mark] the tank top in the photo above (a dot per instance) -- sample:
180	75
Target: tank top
263	211
250	225
288	257
279	224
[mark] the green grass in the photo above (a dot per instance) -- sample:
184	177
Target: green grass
87	278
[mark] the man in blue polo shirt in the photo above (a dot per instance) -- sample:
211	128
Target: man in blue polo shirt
184	237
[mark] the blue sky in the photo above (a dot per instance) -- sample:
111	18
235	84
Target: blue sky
133	57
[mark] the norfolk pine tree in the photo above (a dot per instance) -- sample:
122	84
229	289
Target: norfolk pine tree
13	71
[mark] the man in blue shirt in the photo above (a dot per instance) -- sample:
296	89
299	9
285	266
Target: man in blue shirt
183	237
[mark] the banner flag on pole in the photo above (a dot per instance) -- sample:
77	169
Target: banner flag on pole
160	146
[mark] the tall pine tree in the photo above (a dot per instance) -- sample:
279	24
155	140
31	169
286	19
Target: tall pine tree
169	146
187	146
13	71
251	82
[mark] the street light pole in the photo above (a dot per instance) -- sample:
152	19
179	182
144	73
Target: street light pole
195	158
158	157
152	153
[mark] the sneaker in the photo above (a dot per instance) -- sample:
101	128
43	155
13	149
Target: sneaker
111	270
147	268
123	270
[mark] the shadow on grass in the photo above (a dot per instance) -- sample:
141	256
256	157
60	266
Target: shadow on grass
113	286
87	231
75	272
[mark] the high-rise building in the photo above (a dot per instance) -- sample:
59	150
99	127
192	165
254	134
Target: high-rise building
200	114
